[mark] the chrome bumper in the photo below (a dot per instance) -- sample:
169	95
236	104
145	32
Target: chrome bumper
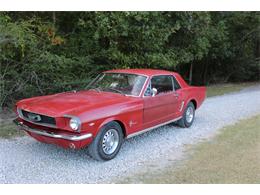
53	135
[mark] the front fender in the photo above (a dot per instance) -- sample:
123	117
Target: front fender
108	120
130	116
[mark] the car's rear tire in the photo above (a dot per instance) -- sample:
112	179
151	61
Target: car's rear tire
107	143
188	116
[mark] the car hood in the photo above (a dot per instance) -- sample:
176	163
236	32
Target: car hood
73	103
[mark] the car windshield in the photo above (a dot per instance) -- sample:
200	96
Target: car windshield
123	83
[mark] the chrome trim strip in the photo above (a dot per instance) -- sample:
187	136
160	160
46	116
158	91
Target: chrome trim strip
182	104
145	83
42	124
58	136
151	128
148	85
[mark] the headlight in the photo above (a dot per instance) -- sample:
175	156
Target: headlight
74	124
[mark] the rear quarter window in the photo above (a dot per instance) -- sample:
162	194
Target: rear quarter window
176	84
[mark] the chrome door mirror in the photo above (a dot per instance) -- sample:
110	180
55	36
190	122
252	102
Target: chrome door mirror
154	92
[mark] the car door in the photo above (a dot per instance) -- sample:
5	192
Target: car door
163	106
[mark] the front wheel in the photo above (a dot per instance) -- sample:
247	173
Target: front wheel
107	143
188	116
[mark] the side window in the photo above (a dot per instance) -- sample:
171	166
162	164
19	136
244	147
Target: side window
176	84
163	83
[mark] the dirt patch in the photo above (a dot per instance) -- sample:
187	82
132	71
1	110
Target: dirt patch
7	114
7	128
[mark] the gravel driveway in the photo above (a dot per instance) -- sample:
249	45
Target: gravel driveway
23	160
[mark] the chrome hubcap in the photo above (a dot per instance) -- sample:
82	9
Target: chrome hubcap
189	114
110	141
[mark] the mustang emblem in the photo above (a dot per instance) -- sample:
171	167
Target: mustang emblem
34	117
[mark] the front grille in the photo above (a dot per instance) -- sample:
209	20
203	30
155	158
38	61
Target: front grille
38	118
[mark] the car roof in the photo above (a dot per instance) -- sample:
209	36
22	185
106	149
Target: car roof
146	72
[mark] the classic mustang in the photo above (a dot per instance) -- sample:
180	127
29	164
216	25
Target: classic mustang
116	105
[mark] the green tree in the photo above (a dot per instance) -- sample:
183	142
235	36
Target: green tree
47	52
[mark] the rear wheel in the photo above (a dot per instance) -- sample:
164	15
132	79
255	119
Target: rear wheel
188	116
107	143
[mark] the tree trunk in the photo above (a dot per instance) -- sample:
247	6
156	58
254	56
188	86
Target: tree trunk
205	73
190	76
257	48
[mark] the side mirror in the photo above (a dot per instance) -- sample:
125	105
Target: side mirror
154	92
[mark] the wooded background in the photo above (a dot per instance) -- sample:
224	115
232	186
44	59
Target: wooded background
48	52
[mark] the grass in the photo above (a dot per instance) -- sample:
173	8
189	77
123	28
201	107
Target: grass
233	156
221	89
9	130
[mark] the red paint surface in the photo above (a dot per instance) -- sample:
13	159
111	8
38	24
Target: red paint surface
102	107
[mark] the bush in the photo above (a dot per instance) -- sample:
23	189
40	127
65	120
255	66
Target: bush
49	52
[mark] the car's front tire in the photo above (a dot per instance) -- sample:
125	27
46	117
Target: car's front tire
188	116
107	143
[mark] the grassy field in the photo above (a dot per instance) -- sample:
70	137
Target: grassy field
222	89
9	130
233	156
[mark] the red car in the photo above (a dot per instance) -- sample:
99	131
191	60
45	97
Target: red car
116	105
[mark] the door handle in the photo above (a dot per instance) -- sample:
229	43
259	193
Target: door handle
176	95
